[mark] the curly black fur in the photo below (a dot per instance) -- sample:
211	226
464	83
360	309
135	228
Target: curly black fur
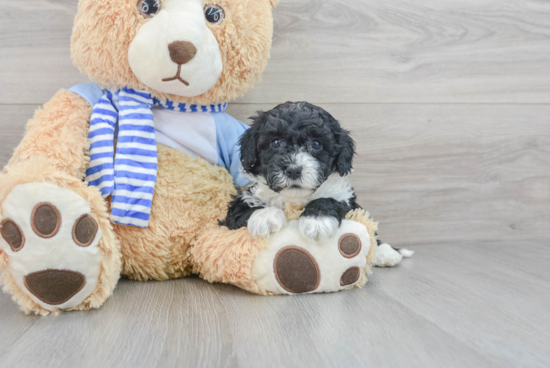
301	128
296	125
238	214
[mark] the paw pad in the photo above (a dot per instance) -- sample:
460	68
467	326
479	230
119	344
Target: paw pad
84	230
52	242
351	276
296	270
55	287
313	266
13	235
349	245
45	220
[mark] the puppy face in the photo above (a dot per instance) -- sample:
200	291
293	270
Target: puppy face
295	147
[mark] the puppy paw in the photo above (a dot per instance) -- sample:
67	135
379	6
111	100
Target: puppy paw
314	227
387	256
406	253
266	221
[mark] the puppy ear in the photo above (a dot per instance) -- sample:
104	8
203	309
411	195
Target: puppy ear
249	149
274	3
344	161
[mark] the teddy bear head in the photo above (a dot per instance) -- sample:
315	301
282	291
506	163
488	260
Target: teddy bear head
188	51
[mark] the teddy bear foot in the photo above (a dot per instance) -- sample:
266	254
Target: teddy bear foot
294	264
50	239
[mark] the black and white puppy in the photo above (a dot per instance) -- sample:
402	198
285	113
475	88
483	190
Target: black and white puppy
298	154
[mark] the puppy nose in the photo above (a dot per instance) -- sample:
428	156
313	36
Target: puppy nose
182	52
294	172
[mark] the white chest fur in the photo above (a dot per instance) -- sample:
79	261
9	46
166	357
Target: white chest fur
336	187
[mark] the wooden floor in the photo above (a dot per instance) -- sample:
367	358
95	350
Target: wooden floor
449	102
452	305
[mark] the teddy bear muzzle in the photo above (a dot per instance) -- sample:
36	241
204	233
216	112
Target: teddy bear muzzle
194	62
182	52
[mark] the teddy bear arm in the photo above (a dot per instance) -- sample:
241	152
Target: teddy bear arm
58	250
59	133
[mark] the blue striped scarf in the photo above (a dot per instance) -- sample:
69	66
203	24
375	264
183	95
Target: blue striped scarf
129	176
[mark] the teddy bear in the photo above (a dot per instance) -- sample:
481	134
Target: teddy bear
132	173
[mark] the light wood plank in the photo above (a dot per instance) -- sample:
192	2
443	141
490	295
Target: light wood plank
473	285
409	51
334	51
35	61
455	305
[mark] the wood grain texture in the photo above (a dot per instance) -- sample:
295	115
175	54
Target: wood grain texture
461	304
35	61
328	51
409	51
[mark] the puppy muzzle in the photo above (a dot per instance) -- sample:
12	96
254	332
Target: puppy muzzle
296	171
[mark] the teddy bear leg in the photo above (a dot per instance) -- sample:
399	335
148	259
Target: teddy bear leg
294	264
223	255
57	247
287	262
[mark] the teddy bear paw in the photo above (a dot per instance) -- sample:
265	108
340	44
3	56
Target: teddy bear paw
293	263
51	241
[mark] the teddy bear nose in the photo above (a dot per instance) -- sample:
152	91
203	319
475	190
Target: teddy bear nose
182	52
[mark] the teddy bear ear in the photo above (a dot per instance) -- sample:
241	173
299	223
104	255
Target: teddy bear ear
274	3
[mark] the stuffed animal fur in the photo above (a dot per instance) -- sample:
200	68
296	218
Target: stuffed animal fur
60	248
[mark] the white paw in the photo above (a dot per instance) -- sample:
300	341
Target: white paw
318	227
387	256
406	253
266	221
293	264
51	240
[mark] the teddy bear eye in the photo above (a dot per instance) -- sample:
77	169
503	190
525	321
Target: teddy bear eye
149	8
214	14
276	143
316	145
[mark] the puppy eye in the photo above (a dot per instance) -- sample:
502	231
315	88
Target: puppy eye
316	145
149	8
276	143
214	14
